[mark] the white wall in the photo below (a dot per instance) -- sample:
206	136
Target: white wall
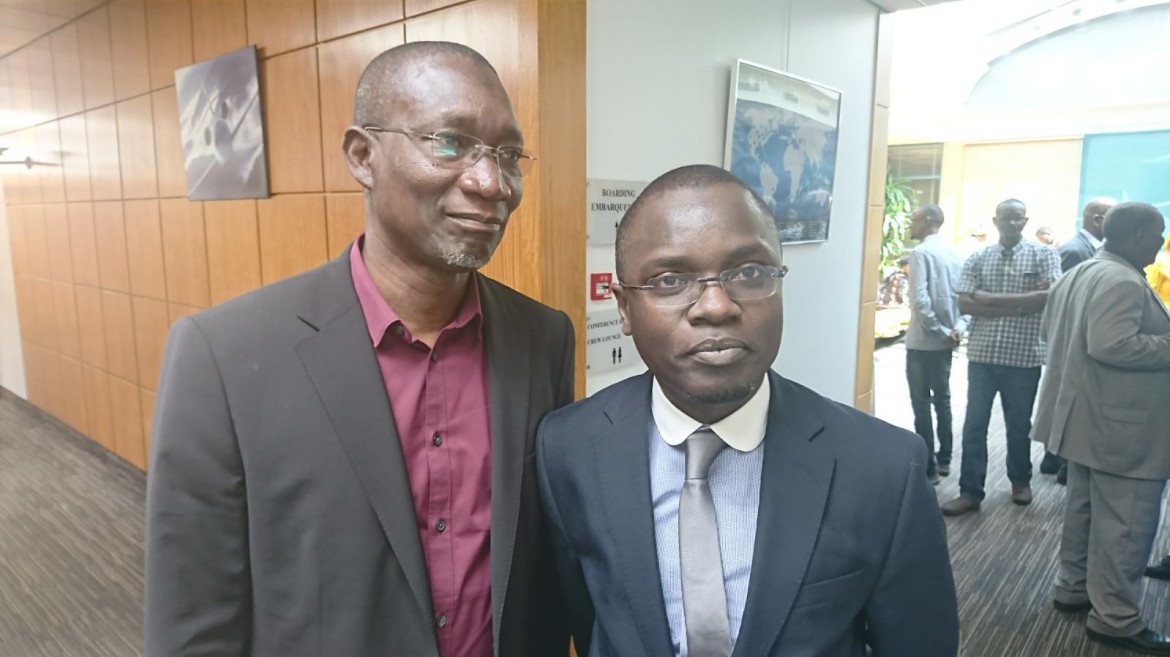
11	357
657	86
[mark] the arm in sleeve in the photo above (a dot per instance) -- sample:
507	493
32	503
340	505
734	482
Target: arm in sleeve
920	299
1054	265
912	611
198	589
1114	329
567	392
571	577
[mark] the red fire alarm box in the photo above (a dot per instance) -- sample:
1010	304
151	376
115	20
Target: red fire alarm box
599	286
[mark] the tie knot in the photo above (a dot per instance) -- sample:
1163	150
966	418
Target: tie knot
702	447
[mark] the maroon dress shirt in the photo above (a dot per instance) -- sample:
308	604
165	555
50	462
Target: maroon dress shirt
439	399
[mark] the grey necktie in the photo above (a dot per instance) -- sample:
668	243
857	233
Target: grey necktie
704	598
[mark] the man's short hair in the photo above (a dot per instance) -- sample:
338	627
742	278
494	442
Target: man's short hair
1010	201
1124	220
378	82
691	176
933	214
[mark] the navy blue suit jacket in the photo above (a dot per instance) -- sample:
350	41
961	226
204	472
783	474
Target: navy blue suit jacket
850	544
1075	251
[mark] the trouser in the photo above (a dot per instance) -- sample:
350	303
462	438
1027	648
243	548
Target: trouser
1109	528
928	373
1016	387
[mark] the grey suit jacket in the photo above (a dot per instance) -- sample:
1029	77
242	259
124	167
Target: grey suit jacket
1075	251
279	515
1102	401
850	544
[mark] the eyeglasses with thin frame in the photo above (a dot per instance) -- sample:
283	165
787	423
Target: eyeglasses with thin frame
743	283
464	151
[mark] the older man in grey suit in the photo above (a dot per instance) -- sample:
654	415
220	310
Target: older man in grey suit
342	461
1103	407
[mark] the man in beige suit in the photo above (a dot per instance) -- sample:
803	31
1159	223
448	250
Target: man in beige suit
1102	407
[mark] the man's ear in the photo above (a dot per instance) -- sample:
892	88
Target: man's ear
358	148
623	302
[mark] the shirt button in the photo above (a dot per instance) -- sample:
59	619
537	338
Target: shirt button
440	526
434	356
441	621
437	440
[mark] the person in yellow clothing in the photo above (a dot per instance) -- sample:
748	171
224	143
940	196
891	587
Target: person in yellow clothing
1158	274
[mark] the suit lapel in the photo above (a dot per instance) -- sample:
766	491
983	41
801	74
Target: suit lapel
794	489
623	470
509	377
341	363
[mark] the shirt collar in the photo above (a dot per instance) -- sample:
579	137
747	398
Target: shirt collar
380	316
1092	239
743	430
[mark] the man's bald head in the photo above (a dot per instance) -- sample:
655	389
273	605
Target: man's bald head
1093	216
382	80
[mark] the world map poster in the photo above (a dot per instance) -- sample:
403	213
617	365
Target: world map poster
782	143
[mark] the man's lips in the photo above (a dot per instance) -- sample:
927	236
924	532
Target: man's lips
719	351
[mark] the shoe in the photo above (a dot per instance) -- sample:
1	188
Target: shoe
1072	608
944	469
933	478
960	505
1022	495
1050	464
1062	476
1147	642
1161	571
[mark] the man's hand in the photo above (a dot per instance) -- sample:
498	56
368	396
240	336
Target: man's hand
954	338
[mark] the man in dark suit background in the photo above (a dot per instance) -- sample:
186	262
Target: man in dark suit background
342	462
711	507
1081	247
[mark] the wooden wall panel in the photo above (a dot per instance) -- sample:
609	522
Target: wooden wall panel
118	324
151	323
73	394
68	328
110	235
97	67
136	148
96	385
144	249
415	7
18	241
52	176
40	69
219	27
105	176
126	413
108	252
36	237
292	235
83	243
292	122
340	17
93	338
168	38
129	49
44	319
147	397
341	64
75	158
345	220
57	240
168	144
278	26
67	70
233	248
185	252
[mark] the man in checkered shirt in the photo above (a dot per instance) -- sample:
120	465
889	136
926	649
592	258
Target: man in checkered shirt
1004	288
